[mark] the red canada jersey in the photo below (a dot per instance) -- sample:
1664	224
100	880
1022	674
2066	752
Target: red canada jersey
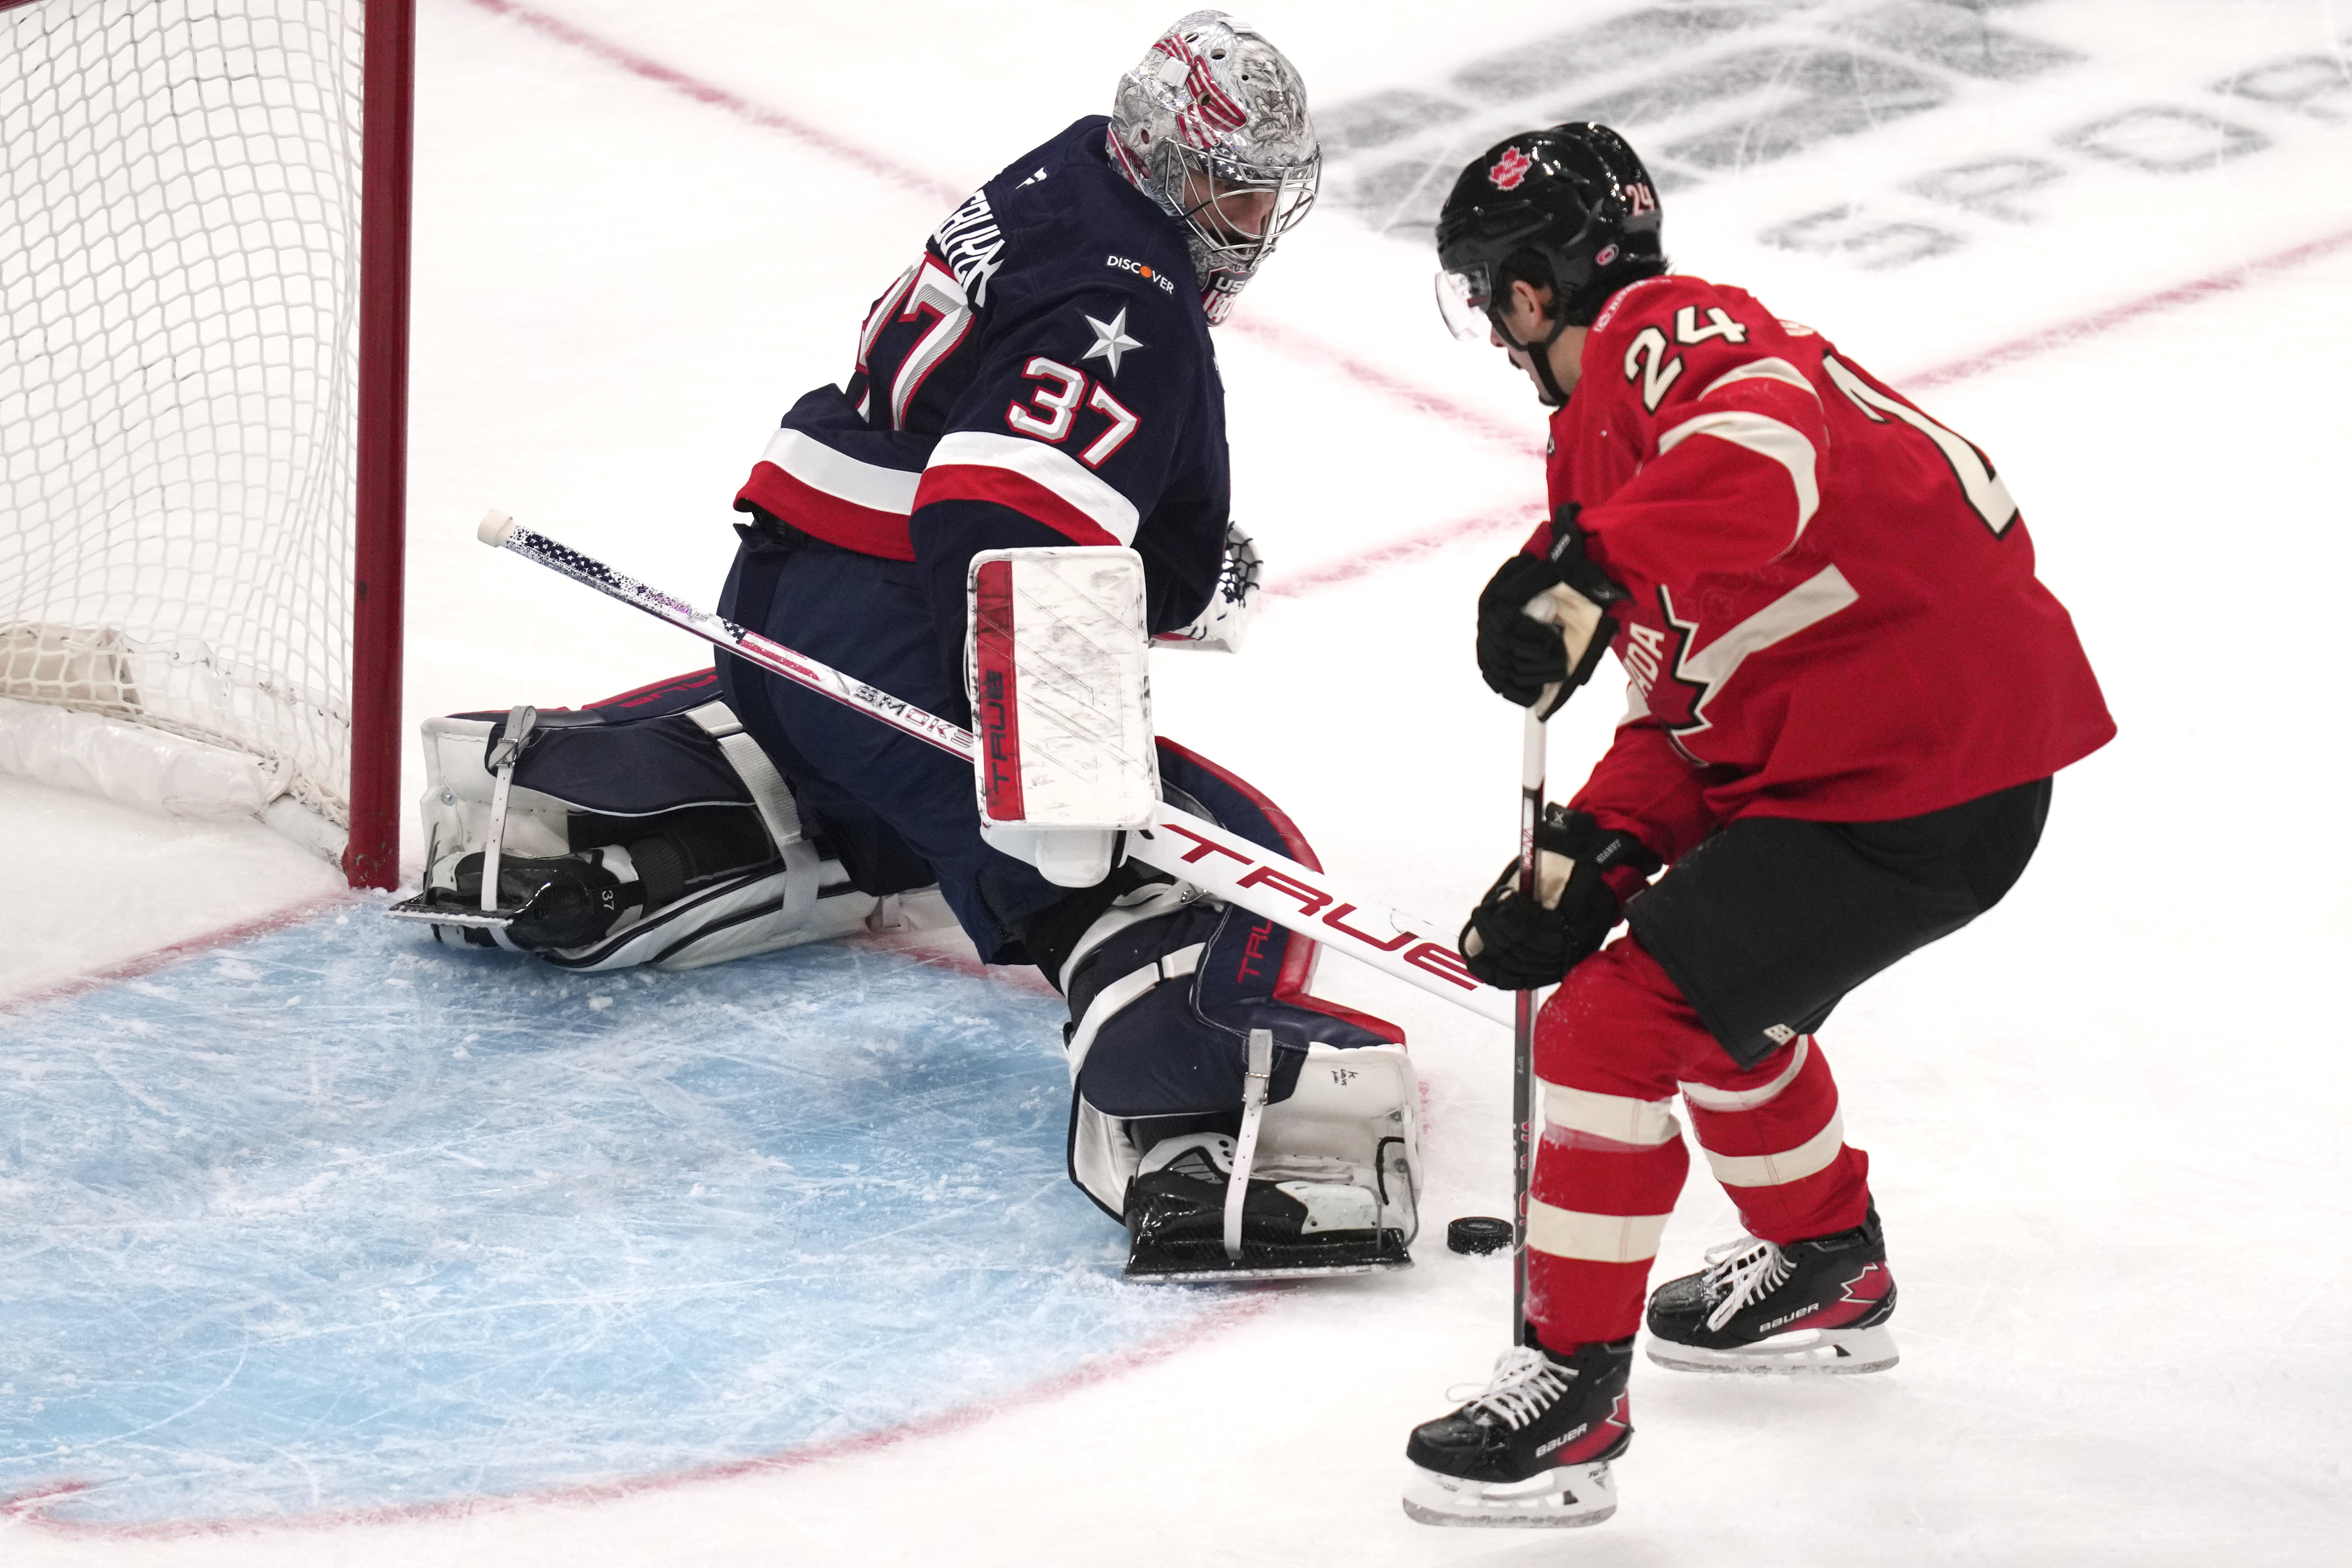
1831	610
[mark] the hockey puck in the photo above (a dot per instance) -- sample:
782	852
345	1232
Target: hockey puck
1478	1233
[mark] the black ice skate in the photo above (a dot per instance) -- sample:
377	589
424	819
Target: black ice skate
1818	1306
1298	1217
1533	1450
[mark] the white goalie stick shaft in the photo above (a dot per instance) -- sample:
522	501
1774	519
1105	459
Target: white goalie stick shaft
1235	870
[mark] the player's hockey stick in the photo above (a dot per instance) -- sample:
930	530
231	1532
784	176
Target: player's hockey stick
1534	744
1202	853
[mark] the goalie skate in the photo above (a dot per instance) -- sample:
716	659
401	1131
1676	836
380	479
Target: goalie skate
1817	1306
1301	1216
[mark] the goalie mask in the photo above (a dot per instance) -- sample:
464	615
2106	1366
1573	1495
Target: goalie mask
1213	126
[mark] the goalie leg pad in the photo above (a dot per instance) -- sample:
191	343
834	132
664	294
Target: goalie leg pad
1165	987
648	829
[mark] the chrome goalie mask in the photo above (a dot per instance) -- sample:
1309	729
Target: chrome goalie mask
1213	126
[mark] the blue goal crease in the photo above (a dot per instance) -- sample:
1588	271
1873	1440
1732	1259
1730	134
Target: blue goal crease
337	1219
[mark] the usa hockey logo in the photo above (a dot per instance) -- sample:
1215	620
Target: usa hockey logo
1510	169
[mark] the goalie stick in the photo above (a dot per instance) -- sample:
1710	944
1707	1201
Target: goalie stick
1194	848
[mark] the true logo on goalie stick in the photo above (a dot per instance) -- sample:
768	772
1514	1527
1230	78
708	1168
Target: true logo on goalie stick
1410	946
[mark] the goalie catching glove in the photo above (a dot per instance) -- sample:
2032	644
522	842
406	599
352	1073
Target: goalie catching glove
1583	873
1542	620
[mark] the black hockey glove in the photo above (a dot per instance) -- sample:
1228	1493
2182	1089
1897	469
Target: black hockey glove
1519	655
1520	944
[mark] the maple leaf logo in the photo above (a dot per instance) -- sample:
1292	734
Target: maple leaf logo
1510	169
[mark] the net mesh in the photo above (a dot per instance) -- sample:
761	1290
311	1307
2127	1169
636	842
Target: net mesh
179	322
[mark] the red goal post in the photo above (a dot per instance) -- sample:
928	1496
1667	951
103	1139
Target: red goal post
204	344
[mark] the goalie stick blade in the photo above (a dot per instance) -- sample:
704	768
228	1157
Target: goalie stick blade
421	908
1190	1274
1194	1261
1564	1499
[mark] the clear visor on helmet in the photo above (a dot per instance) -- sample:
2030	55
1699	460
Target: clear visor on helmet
1461	300
1240	210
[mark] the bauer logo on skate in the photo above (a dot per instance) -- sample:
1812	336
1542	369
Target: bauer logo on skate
1430	957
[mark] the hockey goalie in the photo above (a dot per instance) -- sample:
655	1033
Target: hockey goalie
1020	490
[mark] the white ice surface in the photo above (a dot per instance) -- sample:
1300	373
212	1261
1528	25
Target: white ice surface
2107	1122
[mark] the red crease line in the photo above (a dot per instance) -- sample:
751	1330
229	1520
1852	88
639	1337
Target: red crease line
174	953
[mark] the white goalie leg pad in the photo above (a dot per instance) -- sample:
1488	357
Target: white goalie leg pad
456	810
805	899
1357	1110
1103	1158
1056	666
1346	1142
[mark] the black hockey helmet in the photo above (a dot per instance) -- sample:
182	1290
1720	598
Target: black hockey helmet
1569	208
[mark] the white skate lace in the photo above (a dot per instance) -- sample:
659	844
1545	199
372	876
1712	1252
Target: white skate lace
1740	1272
1525	1382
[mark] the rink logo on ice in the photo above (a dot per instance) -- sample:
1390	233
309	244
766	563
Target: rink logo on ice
1710	92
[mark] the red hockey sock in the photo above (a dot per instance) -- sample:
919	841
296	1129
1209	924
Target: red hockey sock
1776	1142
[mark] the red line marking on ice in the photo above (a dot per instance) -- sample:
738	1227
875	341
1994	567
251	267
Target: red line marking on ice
650	69
174	953
1516	525
1298	345
1283	339
2051	338
30	1505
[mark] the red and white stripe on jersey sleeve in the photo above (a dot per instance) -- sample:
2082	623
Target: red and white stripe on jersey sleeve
1032	478
860	506
1750	407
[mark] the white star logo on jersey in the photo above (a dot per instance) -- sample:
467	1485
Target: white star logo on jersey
1111	341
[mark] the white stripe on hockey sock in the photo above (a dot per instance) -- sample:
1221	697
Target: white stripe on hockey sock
1814	1154
1707	1098
1593	1237
1617	1117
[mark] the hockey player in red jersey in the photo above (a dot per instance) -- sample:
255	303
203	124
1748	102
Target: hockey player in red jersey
1847	694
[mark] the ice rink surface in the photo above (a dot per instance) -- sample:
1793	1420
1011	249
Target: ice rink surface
293	1272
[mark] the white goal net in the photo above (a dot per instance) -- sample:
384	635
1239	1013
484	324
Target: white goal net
180	220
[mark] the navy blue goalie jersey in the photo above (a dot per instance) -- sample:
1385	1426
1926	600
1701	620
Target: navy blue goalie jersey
1042	374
